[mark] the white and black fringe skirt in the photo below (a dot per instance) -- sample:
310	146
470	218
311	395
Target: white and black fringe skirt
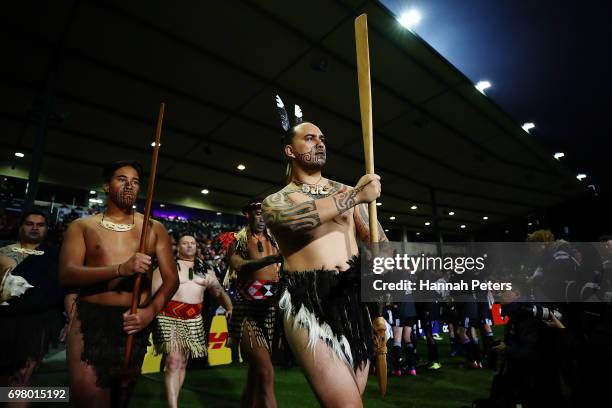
327	303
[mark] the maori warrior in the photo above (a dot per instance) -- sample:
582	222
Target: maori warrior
317	229
254	258
179	328
100	255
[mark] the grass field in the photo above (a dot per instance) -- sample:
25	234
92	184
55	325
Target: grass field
221	386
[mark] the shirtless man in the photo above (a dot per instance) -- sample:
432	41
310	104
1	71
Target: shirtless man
179	330
100	256
317	222
256	260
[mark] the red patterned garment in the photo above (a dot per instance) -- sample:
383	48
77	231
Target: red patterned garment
259	289
180	310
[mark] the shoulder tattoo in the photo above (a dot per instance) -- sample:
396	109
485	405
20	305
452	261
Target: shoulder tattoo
279	211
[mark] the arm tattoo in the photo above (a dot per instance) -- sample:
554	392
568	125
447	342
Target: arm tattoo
8	252
363	225
345	200
279	211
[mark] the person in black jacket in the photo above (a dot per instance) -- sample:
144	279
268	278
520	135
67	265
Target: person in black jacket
33	321
530	372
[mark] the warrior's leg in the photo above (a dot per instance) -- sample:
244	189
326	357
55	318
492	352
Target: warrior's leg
83	389
333	381
174	375
259	391
22	378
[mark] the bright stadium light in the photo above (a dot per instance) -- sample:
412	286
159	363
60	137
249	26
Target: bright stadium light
451	213
581	176
414	207
558	155
485	218
218	213
482	85
241	167
386	230
162	205
392	218
19	154
428	223
205	191
410	18
95	201
462	226
418	233
528	126
92	191
153	144
378	203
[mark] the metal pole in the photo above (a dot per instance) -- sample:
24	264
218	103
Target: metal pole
436	227
47	104
37	155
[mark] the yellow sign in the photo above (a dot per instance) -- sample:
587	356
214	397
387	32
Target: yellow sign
218	353
151	363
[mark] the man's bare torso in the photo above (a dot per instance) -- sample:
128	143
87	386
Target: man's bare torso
190	290
269	272
328	246
106	247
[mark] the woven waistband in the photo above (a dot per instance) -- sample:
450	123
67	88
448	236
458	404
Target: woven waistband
258	289
180	310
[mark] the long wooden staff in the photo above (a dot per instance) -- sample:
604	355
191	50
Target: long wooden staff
365	104
145	231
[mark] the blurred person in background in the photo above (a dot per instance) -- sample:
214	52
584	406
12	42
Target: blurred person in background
33	321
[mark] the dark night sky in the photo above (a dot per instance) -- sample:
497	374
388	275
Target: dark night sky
548	62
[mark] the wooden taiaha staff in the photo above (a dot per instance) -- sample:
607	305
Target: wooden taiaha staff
365	104
145	231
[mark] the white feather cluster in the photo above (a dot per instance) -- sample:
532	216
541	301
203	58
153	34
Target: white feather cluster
306	319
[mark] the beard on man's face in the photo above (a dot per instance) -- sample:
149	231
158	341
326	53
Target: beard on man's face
123	197
312	160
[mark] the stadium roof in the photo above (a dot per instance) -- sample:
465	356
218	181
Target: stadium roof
217	66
